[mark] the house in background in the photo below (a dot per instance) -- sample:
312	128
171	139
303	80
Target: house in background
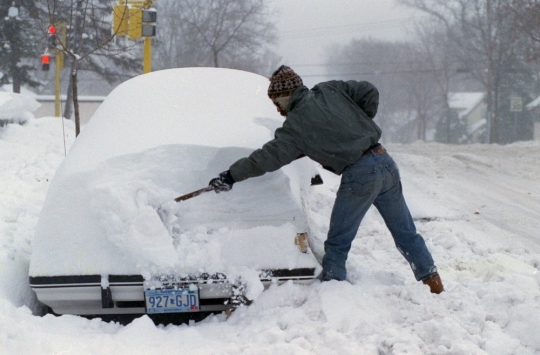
471	108
534	109
87	106
92	92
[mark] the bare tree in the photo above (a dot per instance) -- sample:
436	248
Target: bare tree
220	33
487	44
89	40
526	17
438	53
409	96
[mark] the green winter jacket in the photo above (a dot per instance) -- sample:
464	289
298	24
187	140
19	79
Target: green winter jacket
332	124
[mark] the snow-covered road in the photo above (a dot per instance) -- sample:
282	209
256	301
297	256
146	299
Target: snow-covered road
477	206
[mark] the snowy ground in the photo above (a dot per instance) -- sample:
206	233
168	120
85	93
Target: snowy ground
477	206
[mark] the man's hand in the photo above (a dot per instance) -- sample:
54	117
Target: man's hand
224	182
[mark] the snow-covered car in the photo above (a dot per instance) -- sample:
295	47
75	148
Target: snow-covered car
111	239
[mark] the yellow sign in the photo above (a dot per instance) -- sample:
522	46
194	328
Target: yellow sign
120	20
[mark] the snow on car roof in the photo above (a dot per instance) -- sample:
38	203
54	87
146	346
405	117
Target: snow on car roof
155	137
201	106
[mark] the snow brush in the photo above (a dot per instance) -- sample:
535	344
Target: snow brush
194	193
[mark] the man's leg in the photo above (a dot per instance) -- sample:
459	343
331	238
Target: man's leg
391	204
359	186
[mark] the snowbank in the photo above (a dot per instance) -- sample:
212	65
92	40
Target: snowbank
28	166
16	108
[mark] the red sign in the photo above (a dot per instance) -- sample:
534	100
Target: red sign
45	59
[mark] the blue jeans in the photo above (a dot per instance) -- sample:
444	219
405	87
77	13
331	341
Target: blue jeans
373	179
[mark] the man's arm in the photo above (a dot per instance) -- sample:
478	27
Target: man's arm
365	95
278	152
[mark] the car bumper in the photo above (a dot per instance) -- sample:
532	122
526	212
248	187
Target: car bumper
93	295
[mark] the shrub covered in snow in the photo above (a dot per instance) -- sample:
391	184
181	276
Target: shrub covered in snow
16	108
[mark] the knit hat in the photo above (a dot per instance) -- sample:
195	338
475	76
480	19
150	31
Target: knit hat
283	80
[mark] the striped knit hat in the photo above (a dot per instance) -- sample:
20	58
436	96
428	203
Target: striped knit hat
284	80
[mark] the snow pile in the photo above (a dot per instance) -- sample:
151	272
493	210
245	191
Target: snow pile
16	108
137	154
30	155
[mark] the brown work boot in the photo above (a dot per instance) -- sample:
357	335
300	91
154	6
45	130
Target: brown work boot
435	284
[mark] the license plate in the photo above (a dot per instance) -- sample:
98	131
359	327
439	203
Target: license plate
178	300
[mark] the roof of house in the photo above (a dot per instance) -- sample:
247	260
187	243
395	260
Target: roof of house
465	102
82	98
89	83
533	104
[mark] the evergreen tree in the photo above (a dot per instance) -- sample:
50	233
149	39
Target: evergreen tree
19	37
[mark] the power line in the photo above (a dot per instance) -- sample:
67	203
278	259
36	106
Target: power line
334	33
368	24
352	64
376	72
387	72
337	30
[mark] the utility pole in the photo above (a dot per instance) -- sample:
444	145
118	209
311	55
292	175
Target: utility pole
149	18
147	55
59	64
53	45
490	124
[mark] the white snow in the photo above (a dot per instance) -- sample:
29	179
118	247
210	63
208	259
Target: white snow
477	207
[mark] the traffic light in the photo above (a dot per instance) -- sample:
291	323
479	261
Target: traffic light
134	21
45	61
51	37
149	18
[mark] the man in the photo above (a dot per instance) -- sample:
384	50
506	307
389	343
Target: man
333	125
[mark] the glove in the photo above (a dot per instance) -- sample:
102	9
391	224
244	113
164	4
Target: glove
223	182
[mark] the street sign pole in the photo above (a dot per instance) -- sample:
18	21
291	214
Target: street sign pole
516	106
147	56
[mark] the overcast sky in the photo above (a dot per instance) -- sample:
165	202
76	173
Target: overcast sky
307	27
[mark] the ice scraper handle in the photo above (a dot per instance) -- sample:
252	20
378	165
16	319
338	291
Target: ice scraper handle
194	193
